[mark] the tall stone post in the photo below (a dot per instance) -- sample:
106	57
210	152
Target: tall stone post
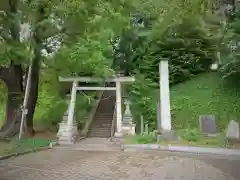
118	132
165	111
164	96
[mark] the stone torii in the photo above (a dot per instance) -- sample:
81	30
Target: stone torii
69	131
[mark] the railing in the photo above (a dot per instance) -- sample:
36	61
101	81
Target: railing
113	127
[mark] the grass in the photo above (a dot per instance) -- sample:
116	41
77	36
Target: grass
195	140
16	146
204	94
139	139
41	139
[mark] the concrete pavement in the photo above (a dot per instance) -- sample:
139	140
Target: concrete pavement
68	164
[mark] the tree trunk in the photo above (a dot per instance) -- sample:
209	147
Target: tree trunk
33	94
12	77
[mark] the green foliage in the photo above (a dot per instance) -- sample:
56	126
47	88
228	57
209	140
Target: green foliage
188	137
143	98
204	94
191	135
3	99
188	46
85	57
50	105
139	139
230	50
84	103
186	41
83	28
90	51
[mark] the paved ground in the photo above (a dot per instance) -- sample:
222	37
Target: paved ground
64	164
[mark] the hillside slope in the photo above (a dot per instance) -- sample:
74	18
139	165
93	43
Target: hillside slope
205	94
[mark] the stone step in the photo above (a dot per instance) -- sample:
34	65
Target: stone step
99	130
102	121
104	114
105	124
100	135
101	124
101	127
104	117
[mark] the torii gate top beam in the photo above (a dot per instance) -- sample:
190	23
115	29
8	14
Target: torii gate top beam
95	79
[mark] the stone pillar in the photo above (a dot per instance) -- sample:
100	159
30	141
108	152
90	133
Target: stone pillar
165	111
68	128
127	125
164	96
118	108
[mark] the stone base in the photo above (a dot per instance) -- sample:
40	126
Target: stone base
118	134
168	136
67	134
128	129
211	135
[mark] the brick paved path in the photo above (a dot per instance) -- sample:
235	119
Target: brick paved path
63	164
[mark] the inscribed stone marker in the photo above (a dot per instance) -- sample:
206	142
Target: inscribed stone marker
208	124
232	132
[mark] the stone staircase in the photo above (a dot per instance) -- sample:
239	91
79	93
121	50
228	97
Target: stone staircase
102	121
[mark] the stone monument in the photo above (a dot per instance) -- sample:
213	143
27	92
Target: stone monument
208	125
233	131
128	127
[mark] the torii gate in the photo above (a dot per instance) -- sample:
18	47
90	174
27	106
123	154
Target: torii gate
70	131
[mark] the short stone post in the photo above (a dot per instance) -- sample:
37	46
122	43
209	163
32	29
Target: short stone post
127	125
142	125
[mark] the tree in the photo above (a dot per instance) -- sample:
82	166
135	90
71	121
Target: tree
11	73
82	29
178	32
